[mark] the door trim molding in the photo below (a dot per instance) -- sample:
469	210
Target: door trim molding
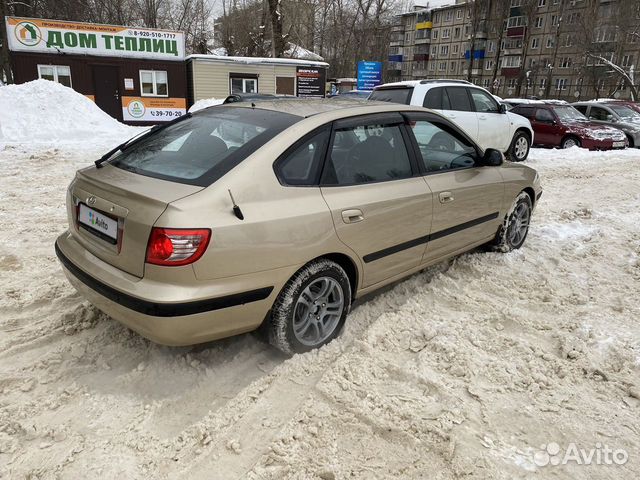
385	252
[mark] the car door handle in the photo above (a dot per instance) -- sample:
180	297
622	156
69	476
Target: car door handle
446	197
352	216
482	117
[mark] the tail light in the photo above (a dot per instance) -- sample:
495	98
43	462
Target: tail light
175	247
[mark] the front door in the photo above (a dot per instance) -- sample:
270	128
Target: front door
107	92
467	199
379	208
544	123
493	125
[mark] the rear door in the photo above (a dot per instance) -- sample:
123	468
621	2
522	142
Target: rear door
467	199
493	126
457	106
548	131
381	206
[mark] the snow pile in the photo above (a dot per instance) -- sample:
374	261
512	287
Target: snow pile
297	51
205	103
47	112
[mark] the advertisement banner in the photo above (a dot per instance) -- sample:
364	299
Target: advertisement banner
310	81
152	109
59	36
369	75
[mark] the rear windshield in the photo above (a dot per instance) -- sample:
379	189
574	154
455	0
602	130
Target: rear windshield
393	95
201	149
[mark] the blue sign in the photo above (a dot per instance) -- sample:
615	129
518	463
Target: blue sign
369	75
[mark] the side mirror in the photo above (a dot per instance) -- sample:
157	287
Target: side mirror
502	108
492	158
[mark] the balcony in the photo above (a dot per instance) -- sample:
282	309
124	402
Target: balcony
422	41
421	57
395	58
477	54
424	25
396	66
419	73
515	31
510	72
512	51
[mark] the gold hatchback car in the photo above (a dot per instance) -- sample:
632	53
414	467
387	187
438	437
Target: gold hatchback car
281	213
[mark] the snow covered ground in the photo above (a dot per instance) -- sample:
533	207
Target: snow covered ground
464	370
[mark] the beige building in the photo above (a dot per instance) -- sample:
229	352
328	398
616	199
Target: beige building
532	48
212	76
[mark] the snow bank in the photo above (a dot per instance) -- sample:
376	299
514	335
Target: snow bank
205	103
47	112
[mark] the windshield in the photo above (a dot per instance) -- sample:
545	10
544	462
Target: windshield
569	114
625	113
393	95
201	149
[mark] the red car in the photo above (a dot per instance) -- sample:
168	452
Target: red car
563	126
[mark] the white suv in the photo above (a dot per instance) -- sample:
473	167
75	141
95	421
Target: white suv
473	108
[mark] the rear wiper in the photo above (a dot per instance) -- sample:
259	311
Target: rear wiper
123	146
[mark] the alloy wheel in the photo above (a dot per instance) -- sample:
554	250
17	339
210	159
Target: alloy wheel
318	311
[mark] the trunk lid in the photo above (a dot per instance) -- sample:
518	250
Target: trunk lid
133	201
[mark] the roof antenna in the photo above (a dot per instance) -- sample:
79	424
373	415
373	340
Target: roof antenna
236	208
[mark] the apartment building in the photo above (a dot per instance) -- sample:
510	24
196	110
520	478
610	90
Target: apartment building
526	48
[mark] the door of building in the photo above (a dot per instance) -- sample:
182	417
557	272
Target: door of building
107	91
285	86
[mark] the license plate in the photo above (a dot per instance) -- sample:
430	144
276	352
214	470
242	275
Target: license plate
618	144
99	224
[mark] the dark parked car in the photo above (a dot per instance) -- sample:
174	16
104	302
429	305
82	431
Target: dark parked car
563	126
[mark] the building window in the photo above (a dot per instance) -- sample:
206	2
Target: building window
444	49
542	3
565	62
488	64
455	48
456	32
446	33
516	22
434	50
561	83
153	83
485	82
512	83
543	83
56	73
240	83
459	14
535	43
491	46
434	35
627	60
452	66
549	42
448	16
554	20
436	18
511	62
442	66
432	66
539	22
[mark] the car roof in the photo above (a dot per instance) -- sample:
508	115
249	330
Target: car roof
414	83
309	107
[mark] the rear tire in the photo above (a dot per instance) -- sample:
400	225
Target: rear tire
571	141
311	309
520	146
630	140
513	232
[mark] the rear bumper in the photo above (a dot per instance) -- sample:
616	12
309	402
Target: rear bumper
176	322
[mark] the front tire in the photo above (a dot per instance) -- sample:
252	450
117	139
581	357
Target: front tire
520	146
514	230
311	309
571	141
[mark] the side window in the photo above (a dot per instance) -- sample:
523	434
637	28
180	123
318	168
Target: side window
543	115
581	108
367	153
598	113
525	112
301	166
483	101
459	99
441	148
437	99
